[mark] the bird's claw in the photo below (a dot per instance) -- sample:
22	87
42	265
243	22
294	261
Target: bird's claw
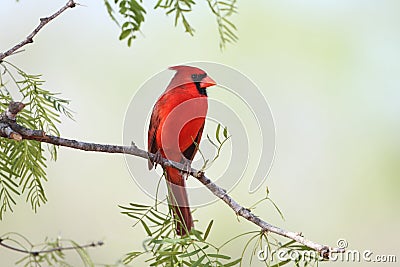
157	159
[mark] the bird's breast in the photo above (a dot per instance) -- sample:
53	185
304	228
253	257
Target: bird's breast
181	124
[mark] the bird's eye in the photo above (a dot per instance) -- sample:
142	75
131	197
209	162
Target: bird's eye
194	77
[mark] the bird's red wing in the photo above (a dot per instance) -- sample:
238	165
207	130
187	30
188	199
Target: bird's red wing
152	145
191	151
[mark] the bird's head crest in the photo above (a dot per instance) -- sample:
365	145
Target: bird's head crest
191	75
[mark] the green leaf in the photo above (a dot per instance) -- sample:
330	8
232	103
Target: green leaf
126	24
288	244
233	263
165	241
208	229
189	254
169	253
197	234
279	264
198	262
110	11
131	256
138	205
217	133
125	34
225	132
219	256
130	40
146	228
86	260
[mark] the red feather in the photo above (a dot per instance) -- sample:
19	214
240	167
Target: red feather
175	130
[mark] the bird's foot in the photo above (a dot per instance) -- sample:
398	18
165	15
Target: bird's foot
157	159
186	167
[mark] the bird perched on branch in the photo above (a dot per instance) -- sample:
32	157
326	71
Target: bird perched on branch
175	130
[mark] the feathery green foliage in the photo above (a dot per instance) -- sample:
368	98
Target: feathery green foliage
267	198
164	248
218	144
180	8
23	163
131	15
223	10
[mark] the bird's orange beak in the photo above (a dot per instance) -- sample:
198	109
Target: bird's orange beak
207	82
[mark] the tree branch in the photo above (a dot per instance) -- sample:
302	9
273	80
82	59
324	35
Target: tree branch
43	22
8	120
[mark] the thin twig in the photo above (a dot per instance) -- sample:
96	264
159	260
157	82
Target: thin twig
59	248
8	119
43	22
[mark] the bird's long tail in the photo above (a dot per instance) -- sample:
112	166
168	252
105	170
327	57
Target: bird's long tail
179	201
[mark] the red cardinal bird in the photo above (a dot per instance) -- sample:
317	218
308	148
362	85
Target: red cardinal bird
175	130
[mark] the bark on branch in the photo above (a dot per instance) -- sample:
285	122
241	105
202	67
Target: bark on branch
29	38
9	128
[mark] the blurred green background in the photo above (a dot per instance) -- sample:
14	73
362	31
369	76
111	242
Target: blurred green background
329	69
